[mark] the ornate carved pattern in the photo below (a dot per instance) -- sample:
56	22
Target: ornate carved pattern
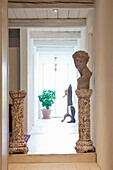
84	143
17	144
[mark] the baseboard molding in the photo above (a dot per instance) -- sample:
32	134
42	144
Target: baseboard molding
53	158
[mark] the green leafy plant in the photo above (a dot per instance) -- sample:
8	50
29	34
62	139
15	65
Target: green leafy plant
47	98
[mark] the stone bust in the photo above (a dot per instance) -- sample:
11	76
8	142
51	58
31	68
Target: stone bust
81	59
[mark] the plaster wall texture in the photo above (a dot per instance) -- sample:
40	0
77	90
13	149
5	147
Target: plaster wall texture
104	83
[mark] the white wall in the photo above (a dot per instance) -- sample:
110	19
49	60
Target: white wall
27	77
87	45
30	82
83	39
36	84
104	83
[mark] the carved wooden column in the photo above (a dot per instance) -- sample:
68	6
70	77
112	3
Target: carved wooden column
84	142
18	145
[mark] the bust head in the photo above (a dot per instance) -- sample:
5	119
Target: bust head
81	58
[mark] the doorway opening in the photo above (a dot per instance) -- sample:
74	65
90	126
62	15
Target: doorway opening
53	69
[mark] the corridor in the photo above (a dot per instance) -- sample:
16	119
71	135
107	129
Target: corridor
51	136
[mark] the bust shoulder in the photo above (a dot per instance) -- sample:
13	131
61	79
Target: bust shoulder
86	72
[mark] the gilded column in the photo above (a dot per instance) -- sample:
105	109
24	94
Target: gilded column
18	145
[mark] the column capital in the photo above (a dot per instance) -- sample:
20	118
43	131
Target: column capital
84	93
17	94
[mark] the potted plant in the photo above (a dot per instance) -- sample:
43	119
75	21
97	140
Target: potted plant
47	98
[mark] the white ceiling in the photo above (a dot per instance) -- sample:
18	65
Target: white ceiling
48	13
41	13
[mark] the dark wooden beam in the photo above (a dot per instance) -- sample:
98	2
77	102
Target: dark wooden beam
47	23
51	3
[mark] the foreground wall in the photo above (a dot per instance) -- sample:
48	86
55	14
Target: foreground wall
104	83
3	84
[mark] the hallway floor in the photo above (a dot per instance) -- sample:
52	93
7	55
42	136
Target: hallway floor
51	147
54	166
51	136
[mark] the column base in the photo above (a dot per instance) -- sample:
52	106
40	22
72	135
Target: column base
84	146
18	147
